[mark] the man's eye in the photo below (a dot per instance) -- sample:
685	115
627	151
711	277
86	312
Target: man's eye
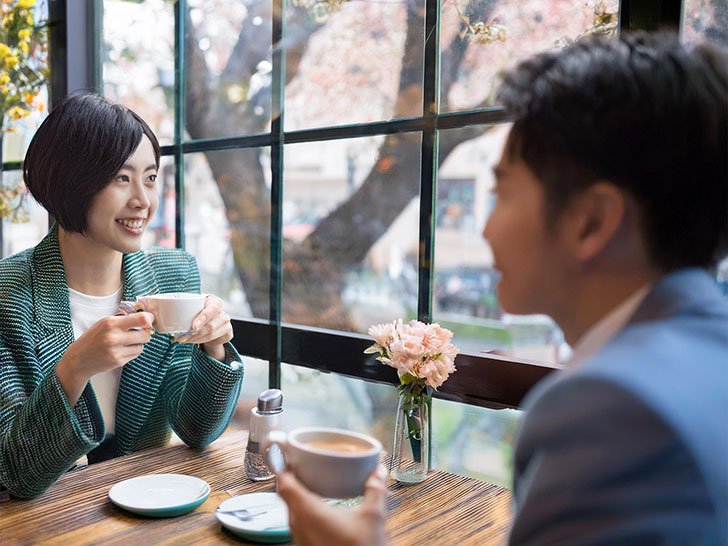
152	178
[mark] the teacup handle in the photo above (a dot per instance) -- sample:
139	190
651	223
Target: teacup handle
279	438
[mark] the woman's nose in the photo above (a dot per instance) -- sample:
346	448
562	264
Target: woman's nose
140	199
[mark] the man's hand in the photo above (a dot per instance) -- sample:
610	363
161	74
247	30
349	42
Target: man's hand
315	523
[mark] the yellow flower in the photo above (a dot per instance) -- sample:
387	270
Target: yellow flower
16	112
4	51
11	62
4	89
27	4
23	47
24	34
4	78
29	19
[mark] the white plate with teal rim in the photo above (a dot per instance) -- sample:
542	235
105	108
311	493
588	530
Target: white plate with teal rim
160	495
257	517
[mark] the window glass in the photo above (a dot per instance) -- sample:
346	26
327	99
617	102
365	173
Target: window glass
18	133
227	226
353	62
705	21
26	222
228	49
481	38
138	63
255	382
467	440
160	231
465	298
350	223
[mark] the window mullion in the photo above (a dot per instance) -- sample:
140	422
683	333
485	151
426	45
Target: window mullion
276	194
428	157
180	108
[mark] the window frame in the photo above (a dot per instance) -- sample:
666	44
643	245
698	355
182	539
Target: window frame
484	380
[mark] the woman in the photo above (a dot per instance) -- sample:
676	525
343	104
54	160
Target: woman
74	378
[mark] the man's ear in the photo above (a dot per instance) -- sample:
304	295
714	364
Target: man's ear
596	216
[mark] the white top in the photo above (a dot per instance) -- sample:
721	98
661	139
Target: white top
598	335
85	312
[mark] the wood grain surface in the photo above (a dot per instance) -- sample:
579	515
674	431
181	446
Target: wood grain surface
444	509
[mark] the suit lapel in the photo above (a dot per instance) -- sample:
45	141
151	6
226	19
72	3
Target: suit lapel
142	377
50	302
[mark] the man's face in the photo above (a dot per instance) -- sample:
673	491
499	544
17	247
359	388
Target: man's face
530	254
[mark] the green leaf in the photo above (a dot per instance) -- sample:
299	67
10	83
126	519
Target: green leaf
408	378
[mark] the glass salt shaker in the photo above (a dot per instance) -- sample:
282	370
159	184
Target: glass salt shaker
267	416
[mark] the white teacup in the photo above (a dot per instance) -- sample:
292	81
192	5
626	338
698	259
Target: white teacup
332	462
174	311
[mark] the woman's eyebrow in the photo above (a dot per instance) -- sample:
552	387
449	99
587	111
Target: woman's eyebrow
128	167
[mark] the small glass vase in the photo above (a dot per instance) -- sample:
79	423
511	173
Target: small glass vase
411	449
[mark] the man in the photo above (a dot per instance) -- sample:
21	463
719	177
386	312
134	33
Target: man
612	201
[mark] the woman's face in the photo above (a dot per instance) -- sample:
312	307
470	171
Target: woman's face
120	212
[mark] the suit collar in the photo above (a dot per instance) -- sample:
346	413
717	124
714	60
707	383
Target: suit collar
679	292
49	284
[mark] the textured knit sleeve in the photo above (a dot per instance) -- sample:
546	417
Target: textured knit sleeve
201	392
41	436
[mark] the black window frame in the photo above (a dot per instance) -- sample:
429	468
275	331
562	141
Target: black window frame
482	379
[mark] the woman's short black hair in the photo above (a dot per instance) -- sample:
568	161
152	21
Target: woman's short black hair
79	148
644	112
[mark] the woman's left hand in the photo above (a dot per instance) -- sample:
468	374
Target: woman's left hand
211	328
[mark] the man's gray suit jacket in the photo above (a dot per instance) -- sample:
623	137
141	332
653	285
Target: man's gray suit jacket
631	445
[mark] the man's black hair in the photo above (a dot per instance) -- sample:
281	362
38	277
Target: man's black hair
643	112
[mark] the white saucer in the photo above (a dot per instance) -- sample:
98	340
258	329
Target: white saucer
161	495
269	521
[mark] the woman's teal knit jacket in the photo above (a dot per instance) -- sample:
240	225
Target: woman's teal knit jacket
170	386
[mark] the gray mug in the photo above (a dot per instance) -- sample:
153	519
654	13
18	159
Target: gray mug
333	463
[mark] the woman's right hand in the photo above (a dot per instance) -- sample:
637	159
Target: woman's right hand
109	343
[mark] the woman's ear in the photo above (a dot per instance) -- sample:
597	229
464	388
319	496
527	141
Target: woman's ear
595	217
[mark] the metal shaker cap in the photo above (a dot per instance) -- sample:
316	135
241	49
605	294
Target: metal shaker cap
270	401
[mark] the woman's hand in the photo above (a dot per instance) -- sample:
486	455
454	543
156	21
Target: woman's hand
211	328
315	523
109	343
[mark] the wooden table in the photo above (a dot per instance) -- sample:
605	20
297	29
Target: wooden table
444	509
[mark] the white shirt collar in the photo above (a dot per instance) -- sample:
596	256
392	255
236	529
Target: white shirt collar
598	335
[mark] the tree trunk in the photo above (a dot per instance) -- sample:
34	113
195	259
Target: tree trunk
314	269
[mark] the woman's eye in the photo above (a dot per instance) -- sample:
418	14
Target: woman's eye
122	178
152	178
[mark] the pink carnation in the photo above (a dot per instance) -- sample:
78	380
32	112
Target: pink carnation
416	348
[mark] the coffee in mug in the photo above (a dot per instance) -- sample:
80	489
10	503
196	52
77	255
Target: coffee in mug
333	463
173	311
337	446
